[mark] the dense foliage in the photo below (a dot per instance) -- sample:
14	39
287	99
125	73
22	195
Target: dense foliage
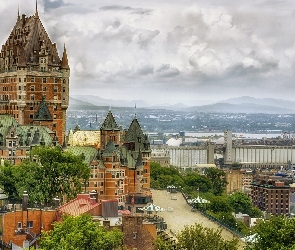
80	232
218	179
45	174
278	233
213	181
197	237
240	202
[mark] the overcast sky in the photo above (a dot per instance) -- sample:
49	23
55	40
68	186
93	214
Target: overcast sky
168	51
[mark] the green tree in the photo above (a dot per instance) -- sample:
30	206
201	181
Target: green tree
45	174
8	181
240	202
278	233
161	177
220	204
197	237
80	232
255	212
194	181
218	179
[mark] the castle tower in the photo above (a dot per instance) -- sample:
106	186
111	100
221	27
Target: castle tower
109	131
32	74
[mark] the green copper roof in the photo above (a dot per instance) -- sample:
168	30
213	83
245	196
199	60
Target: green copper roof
109	123
43	113
28	135
88	153
110	148
139	163
134	133
129	157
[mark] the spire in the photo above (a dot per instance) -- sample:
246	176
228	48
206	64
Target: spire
18	16
135	109
36	14
64	60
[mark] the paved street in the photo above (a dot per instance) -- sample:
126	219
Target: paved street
181	214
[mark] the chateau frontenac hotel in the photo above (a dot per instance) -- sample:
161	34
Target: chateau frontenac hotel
34	97
34	79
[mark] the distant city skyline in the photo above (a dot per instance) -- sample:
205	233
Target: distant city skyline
170	51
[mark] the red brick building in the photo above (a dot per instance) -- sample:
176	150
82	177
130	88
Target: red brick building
121	167
271	194
33	75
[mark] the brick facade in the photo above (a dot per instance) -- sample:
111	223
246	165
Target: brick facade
31	69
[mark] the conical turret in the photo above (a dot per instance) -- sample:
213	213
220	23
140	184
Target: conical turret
64	60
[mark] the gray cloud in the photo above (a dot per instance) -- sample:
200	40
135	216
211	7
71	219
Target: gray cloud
167	71
187	49
139	11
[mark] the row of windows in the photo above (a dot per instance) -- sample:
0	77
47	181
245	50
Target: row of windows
30	224
32	79
44	88
32	116
54	108
32	97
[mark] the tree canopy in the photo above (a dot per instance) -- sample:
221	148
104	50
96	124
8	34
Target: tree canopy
240	202
197	237
45	174
277	233
80	232
218	179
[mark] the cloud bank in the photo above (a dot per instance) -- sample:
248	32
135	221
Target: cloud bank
167	51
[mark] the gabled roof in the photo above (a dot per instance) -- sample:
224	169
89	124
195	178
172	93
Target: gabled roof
134	132
27	40
109	123
43	113
27	134
81	205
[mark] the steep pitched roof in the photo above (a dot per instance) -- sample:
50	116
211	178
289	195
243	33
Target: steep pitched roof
109	123
43	113
27	40
134	133
27	134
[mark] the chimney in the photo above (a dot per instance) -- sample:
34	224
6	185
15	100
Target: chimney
94	196
56	201
25	201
